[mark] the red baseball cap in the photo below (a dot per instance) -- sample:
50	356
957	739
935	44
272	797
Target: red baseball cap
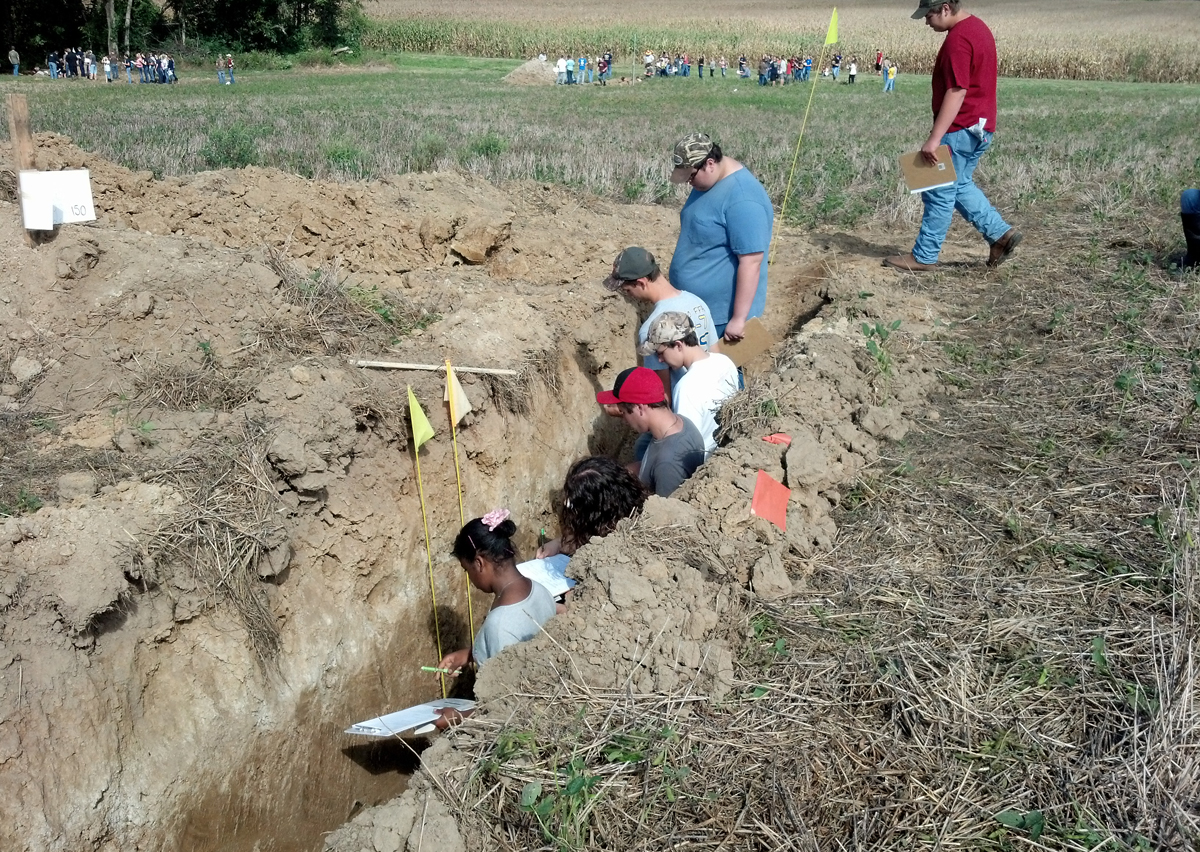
637	386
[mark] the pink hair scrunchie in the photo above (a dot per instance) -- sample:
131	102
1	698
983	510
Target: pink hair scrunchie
495	518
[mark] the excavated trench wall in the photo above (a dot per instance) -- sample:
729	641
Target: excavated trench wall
166	733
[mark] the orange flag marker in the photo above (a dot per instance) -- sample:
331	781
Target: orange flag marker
770	500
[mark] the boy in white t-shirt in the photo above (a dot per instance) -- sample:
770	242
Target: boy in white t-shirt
710	377
637	276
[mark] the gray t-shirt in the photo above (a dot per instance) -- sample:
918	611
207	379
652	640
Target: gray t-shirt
512	623
671	460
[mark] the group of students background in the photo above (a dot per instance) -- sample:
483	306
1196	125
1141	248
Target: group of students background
680	65
571	71
773	70
79	64
884	67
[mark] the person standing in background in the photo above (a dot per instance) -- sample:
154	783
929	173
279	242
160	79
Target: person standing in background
964	119
15	59
52	60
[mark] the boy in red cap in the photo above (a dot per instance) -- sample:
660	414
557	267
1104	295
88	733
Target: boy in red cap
676	448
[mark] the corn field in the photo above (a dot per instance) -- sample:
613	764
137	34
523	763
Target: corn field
1093	40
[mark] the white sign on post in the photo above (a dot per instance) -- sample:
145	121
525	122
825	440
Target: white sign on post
55	198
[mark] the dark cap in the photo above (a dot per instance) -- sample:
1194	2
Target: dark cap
926	7
633	263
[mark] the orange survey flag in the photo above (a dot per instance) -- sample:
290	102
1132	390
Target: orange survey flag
770	500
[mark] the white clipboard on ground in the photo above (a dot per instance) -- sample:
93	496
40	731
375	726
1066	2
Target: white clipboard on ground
922	177
395	724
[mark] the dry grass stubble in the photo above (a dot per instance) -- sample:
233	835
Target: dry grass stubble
222	538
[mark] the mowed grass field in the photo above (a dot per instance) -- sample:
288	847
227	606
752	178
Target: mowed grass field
1107	146
1078	39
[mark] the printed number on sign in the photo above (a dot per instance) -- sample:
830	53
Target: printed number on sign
80	210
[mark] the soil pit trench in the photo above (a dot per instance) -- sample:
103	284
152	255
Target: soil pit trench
304	778
291	788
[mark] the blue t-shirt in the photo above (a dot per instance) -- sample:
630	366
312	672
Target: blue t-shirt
732	218
693	306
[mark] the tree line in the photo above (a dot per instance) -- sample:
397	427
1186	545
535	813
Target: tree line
35	27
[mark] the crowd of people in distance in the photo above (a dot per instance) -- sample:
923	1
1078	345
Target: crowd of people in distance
77	64
772	70
680	65
570	71
74	63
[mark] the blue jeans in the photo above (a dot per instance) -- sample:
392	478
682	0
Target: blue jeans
836	70
591	74
129	73
53	70
1189	201
570	77
965	149
889	85
16	68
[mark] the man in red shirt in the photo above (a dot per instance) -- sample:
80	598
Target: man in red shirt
964	109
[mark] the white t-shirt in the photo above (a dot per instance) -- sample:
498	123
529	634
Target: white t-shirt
698	394
686	303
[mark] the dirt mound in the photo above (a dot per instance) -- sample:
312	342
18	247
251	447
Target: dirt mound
535	72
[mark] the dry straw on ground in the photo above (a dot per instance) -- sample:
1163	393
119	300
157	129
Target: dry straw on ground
222	534
326	313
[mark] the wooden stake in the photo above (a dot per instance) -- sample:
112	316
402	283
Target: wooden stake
22	142
399	365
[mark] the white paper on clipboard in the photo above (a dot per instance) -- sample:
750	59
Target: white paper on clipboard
394	724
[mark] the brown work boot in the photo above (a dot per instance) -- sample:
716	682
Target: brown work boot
1003	247
908	263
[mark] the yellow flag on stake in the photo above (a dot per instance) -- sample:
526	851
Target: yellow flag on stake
831	36
422	431
460	406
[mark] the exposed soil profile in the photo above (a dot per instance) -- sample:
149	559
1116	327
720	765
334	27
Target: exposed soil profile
228	563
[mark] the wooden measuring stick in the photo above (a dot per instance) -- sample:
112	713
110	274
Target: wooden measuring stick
22	142
398	365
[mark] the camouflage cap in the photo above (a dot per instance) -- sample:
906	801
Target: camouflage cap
926	7
690	151
667	327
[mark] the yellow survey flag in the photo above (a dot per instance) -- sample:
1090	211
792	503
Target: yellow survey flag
460	406
831	36
422	431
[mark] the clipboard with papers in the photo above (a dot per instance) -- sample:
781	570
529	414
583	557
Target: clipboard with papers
922	177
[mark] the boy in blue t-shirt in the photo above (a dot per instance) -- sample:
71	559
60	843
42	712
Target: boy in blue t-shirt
724	233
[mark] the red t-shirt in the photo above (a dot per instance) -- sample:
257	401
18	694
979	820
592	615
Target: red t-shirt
968	61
